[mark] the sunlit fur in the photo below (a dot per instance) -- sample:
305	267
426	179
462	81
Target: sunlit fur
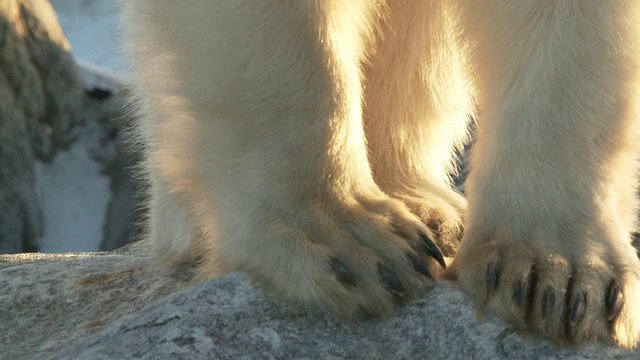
281	134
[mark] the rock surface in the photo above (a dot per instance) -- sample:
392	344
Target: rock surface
40	90
115	305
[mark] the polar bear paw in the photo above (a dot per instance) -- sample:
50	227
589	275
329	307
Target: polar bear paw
442	210
569	296
352	259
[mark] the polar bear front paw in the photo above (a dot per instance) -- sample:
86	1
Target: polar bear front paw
353	259
441	209
568	296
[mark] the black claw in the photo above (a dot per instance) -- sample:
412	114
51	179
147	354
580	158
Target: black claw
432	249
345	276
418	265
548	300
578	309
518	291
492	276
390	280
615	298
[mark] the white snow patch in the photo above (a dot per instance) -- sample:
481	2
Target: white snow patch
74	196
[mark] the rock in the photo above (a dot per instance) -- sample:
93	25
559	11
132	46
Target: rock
50	301
114	305
40	90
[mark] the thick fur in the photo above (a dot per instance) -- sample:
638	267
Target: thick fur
309	143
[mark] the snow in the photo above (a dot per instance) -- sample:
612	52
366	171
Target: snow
74	196
72	191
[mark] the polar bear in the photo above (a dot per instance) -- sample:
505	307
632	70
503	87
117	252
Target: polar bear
309	143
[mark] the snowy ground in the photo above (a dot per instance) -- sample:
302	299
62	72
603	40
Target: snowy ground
73	196
73	193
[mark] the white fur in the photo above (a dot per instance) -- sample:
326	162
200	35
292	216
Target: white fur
284	137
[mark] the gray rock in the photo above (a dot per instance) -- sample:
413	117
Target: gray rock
114	305
40	91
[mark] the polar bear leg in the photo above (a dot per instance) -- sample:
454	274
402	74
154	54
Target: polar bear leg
551	194
256	113
172	234
417	103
